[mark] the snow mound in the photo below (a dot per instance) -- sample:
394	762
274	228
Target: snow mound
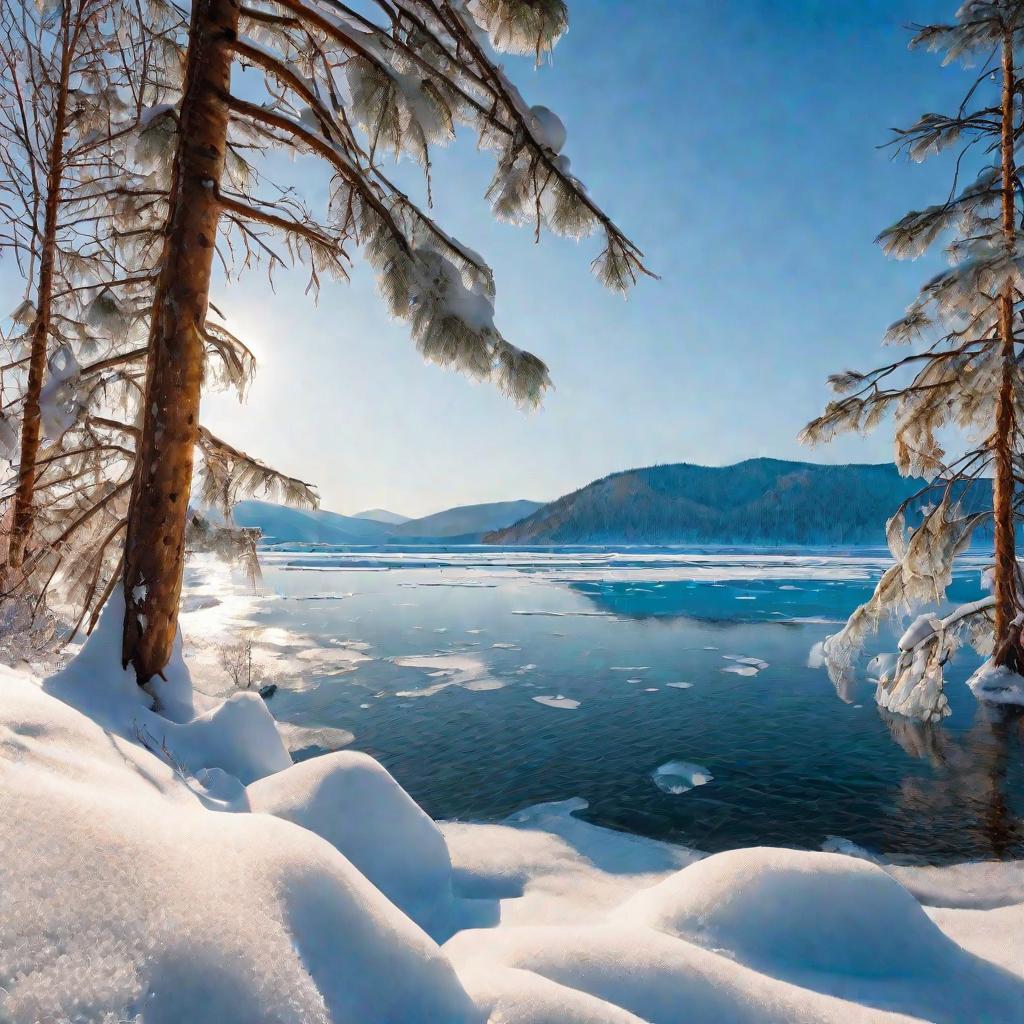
817	911
506	994
656	978
353	802
124	898
827	923
238	735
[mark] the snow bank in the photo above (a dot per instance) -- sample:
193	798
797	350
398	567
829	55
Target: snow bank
354	803
237	735
792	909
123	895
140	880
652	976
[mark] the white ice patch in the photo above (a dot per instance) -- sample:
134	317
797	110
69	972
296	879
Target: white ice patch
742	659
325	737
680	686
744	666
923	626
880	665
677	777
333	657
558	702
467	671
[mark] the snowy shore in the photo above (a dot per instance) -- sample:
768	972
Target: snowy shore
169	864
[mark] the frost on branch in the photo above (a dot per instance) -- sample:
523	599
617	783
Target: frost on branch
522	26
921	574
226	475
913	687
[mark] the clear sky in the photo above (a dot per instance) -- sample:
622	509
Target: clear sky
736	142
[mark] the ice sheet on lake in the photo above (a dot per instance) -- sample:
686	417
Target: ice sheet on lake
676	777
680	686
562	615
335	655
590	565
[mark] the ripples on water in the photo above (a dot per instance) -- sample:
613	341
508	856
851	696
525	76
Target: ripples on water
490	680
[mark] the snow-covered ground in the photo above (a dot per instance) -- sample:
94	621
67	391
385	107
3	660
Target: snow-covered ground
170	863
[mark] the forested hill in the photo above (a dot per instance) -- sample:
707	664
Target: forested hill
760	501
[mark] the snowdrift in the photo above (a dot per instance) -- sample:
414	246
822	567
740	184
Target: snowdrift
166	862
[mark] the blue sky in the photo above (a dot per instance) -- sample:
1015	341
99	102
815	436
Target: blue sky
736	142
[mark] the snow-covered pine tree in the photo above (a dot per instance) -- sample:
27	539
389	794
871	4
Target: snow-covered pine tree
962	379
347	83
65	102
87	205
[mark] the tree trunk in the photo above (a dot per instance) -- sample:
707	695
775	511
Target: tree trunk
1008	651
23	517
155	539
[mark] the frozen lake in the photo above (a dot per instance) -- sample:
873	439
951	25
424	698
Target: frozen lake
669	689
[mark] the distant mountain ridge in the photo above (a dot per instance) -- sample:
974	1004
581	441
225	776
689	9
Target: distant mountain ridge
382	515
464	523
467	520
758	501
283	525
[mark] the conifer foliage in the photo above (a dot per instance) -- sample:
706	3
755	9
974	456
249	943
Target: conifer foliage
72	76
962	378
85	116
134	163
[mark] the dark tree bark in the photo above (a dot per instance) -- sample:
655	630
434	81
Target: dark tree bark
23	516
1008	651
155	540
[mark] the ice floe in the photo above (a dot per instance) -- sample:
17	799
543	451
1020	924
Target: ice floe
467	671
558	702
677	777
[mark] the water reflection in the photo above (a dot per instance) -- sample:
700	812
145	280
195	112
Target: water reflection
969	782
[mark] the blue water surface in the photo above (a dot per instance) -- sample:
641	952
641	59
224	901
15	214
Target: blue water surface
479	633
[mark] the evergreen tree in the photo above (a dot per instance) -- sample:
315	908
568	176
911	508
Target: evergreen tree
85	122
348	87
962	379
67	69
